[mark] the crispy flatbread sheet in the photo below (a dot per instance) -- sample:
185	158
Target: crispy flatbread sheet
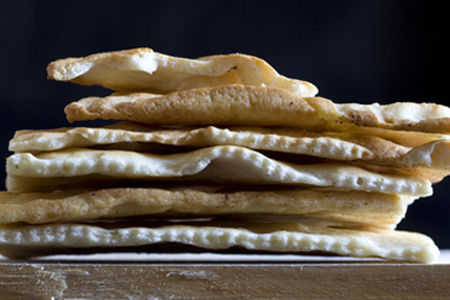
401	137
432	175
330	146
145	70
229	164
132	135
371	209
258	106
32	240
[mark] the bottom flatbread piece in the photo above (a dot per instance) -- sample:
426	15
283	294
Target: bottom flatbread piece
17	241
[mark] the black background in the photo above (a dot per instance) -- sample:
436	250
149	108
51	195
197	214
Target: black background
354	51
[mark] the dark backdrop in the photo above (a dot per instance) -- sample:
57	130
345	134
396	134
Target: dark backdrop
361	51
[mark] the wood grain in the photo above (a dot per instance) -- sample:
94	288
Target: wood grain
223	281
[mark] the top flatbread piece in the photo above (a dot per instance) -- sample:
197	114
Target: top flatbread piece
145	70
239	105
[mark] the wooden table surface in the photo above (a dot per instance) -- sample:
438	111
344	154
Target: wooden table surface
221	276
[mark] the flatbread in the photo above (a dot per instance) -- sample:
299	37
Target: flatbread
375	209
258	106
287	237
145	70
332	146
289	140
228	164
401	137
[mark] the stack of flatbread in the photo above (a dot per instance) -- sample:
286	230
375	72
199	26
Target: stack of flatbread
216	153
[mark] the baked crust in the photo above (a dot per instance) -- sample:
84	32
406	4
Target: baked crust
236	105
20	241
329	145
351	207
142	69
213	164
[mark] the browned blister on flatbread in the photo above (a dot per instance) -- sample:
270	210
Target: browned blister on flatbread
233	105
348	207
145	70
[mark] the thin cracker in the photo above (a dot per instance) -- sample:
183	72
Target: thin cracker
258	106
375	209
393	245
334	146
217	163
143	69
